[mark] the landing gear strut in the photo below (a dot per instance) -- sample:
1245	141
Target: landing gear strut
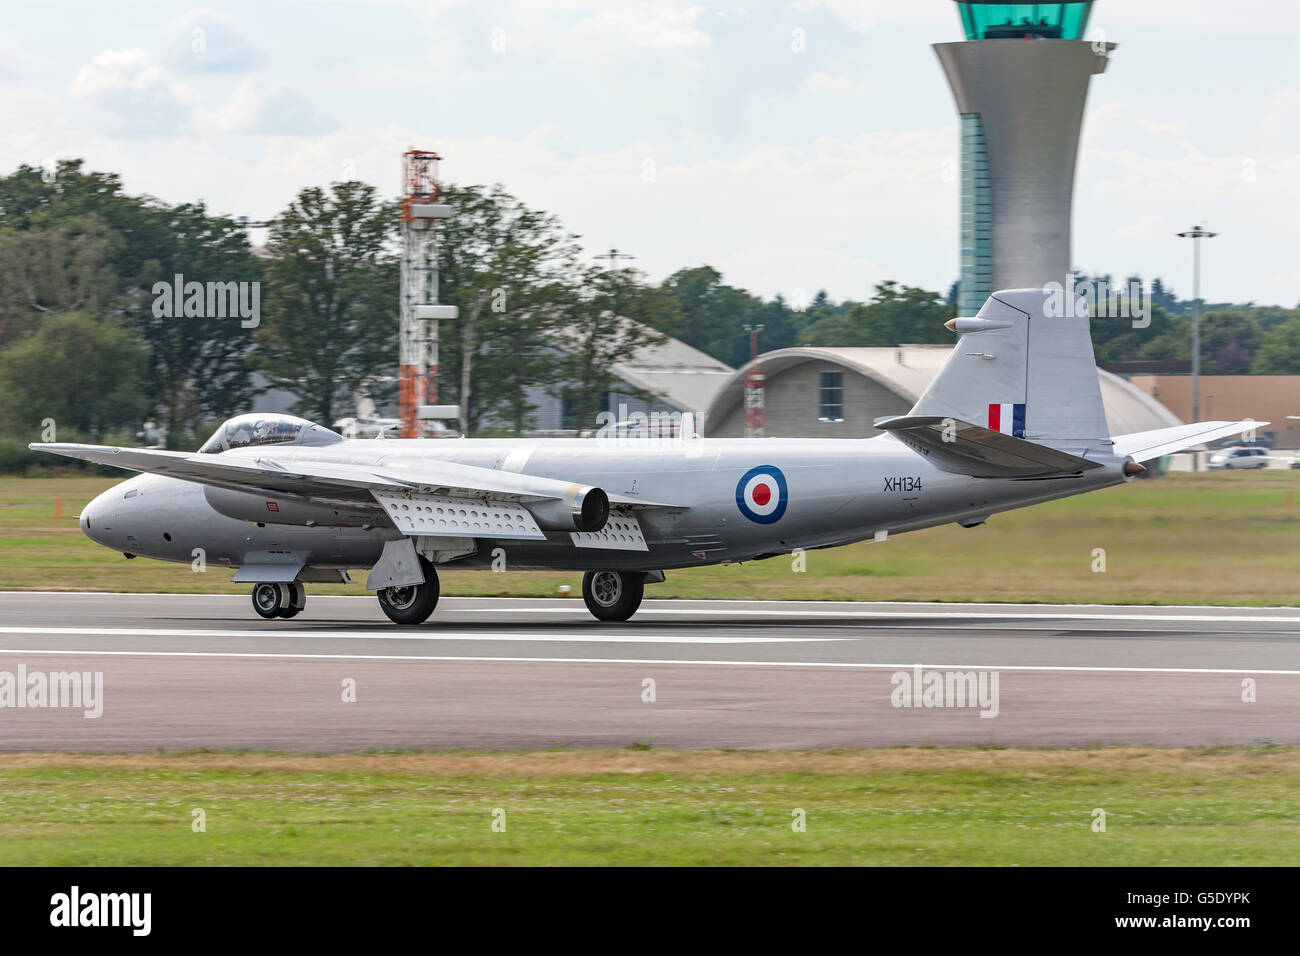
613	595
279	600
412	603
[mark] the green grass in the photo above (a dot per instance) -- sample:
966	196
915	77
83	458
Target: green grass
1210	538
897	807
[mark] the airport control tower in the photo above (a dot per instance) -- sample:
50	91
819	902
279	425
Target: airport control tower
1020	80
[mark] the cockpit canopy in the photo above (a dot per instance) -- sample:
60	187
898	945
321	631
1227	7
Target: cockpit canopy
244	431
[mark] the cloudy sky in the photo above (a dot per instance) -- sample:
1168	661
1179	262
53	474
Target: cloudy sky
792	145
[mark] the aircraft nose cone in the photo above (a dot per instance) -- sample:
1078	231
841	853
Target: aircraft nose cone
98	517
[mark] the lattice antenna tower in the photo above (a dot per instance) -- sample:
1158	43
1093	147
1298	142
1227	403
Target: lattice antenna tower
421	313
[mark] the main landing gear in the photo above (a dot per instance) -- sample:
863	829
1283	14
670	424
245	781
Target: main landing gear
413	603
279	600
613	595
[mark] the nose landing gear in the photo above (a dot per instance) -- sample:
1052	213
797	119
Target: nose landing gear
279	600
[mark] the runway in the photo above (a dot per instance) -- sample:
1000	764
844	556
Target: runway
197	671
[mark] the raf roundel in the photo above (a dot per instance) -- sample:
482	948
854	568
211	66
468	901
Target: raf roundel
761	494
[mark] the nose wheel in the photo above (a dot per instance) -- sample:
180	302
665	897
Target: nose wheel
412	603
279	600
613	595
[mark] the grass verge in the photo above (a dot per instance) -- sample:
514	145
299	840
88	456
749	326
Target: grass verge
1220	807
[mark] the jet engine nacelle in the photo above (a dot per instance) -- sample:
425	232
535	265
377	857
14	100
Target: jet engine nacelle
583	508
270	508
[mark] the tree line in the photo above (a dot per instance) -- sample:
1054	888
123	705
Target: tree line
84	342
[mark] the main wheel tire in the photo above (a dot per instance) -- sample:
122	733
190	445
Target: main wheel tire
613	595
297	601
270	599
412	604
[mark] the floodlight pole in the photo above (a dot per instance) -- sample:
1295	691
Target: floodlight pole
1196	234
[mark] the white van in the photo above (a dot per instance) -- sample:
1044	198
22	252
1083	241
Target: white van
1240	458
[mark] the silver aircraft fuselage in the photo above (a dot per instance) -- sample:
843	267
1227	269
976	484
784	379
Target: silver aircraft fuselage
805	494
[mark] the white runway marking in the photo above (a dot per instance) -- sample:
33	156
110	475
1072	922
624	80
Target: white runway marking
1064	615
908	666
387	634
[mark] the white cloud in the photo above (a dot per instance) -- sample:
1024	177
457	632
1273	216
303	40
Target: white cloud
785	171
1210	16
865	15
1278	127
135	97
651	26
263	107
204	41
590	32
14	60
771	220
829	83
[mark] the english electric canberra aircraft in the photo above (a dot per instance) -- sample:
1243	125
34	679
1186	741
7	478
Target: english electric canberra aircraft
1014	418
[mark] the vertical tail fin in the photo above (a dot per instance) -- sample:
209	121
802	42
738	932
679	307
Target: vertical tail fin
1024	366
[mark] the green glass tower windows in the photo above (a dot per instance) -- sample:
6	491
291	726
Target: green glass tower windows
992	21
976	217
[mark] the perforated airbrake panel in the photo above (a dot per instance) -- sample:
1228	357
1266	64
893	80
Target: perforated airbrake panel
458	517
622	532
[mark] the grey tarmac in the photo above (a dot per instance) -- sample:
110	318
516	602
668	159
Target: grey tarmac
201	671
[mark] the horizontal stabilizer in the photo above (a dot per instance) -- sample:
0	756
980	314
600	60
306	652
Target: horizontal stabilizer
965	449
1143	446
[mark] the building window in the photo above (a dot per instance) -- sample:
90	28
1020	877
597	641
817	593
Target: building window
976	283
830	397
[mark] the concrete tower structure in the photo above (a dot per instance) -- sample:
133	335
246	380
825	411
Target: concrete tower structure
1020	80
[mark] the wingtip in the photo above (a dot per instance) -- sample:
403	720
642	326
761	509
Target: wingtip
51	445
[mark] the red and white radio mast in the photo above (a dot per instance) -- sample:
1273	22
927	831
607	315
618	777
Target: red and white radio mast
421	313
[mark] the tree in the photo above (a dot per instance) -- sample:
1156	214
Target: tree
330	296
71	239
1164	298
85	374
1279	350
198	365
611	319
63	268
1228	342
509	270
1271	316
896	315
711	316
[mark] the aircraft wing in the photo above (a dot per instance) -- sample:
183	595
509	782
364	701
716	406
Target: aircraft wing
1143	446
350	482
257	475
965	449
